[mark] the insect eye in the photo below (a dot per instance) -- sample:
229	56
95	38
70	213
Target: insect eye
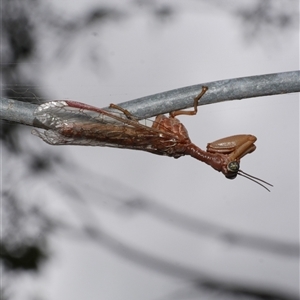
233	166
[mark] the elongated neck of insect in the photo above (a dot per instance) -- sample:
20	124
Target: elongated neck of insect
214	160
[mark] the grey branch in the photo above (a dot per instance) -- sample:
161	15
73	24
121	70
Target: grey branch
149	106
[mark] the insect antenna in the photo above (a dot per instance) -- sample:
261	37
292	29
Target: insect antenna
255	179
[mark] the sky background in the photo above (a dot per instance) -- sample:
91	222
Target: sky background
123	194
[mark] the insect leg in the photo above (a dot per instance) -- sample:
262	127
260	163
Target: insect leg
124	111
173	114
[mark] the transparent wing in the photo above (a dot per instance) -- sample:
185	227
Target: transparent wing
75	123
56	114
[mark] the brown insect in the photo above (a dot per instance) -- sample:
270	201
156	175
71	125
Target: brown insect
75	123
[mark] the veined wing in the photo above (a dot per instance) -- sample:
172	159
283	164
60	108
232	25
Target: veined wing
55	114
74	123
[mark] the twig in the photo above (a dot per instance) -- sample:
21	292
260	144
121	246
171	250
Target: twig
149	106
